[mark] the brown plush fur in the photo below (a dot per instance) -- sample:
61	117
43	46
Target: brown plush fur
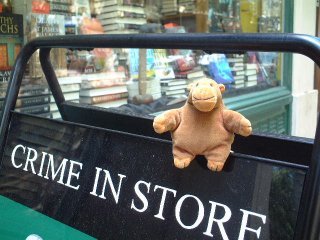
203	126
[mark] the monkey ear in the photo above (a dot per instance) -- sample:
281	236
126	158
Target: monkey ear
222	88
190	86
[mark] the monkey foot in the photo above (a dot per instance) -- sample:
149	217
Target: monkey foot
182	163
215	166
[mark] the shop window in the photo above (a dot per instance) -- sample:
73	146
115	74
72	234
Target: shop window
120	76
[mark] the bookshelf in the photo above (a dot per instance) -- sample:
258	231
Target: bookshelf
195	21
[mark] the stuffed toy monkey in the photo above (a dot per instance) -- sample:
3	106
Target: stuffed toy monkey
203	126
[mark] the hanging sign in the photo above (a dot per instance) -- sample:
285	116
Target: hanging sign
114	185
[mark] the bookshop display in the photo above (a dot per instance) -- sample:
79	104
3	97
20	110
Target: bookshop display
117	77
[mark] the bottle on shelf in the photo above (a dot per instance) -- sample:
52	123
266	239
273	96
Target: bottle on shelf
7	8
1	6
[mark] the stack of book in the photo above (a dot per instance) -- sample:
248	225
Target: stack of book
174	87
32	99
251	74
187	6
169	7
61	7
70	87
236	63
104	89
149	87
191	75
120	16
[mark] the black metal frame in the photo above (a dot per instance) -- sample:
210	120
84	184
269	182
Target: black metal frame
308	223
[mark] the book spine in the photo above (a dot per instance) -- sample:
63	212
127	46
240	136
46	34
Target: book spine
122	26
4	75
101	84
121	14
65	2
58	7
108	98
34	109
31	101
33	92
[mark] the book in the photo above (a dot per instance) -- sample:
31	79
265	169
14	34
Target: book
73	87
121	26
250	83
54	107
239	85
11	40
239	77
114	103
69	79
236	64
101	80
103	98
37	109
59	8
41	25
250	72
139	3
236	68
123	31
122	8
164	73
194	73
28	90
238	73
55	115
29	101
82	8
174	92
70	96
235	58
173	82
103	91
252	78
135	21
67	2
184	64
34	100
121	14
175	87
250	66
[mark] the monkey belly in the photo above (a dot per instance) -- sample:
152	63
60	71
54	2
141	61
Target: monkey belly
201	142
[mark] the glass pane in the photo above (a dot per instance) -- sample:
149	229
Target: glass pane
157	78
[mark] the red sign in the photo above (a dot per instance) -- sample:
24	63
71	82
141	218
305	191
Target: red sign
40	6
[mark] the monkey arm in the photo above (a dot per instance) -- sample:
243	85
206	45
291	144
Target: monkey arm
167	121
236	123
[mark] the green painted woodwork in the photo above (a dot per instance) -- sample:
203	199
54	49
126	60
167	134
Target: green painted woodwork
267	110
18	222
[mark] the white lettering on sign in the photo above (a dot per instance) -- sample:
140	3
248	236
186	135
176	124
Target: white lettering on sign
220	222
200	212
107	179
31	157
140	195
67	172
163	199
245	221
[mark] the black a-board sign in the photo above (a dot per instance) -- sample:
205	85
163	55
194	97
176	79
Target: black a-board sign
115	185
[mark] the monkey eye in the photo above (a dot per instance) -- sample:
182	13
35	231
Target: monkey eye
197	84
211	84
